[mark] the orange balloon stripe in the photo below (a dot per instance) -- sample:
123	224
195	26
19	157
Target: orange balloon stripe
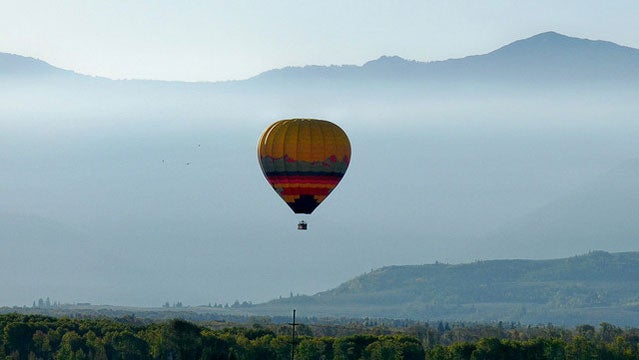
320	198
290	198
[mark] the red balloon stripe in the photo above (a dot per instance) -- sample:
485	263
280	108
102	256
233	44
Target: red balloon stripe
300	179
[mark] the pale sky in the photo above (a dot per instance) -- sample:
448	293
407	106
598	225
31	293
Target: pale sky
226	40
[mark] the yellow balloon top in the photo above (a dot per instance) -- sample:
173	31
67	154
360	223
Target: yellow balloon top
304	140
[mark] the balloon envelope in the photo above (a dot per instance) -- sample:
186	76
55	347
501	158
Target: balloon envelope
304	160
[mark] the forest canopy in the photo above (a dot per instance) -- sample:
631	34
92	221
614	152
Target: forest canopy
42	337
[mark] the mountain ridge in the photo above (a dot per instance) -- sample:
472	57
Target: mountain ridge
545	55
18	65
518	56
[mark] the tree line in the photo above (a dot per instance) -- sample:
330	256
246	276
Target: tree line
31	337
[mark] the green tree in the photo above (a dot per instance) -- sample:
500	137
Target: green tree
581	348
72	347
41	345
95	345
461	351
438	352
489	349
217	346
608	332
351	347
282	346
554	349
261	348
126	346
383	350
315	349
586	331
395	347
18	337
622	348
181	340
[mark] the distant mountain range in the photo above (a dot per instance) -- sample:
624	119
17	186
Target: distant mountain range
546	57
549	65
591	288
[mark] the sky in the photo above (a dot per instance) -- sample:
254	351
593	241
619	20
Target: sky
232	40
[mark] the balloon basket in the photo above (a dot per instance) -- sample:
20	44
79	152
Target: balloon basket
302	225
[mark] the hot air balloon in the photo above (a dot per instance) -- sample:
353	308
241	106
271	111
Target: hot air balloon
303	160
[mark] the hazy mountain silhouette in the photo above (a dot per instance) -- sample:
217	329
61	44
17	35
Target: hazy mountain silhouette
539	64
605	212
16	66
554	57
546	57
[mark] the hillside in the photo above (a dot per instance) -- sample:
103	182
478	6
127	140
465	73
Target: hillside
580	289
588	289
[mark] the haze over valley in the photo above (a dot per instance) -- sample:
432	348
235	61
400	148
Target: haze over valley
138	192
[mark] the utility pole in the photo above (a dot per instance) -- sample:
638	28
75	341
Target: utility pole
293	324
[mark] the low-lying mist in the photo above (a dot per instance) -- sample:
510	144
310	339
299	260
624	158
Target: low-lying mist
167	208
